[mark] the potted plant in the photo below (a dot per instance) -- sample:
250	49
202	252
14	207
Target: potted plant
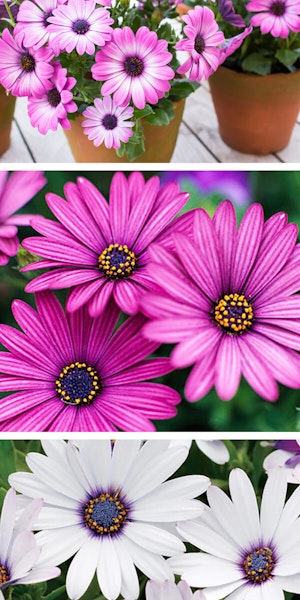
256	89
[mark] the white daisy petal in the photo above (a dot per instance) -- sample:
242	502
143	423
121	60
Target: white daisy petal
7	521
108	570
54	474
82	569
244	499
215	450
154	539
210	541
130	582
274	493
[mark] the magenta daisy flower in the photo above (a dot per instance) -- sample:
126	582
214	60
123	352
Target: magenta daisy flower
201	43
32	26
277	17
108	123
23	72
101	249
134	66
15	191
51	109
72	373
78	24
231	303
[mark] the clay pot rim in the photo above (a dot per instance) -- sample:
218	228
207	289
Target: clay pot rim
241	74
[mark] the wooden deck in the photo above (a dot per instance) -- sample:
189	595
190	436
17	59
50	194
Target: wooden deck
198	141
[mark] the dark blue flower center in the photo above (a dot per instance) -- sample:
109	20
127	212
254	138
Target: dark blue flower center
117	261
133	66
233	313
27	62
199	44
4	574
258	565
78	384
110	121
277	8
80	26
53	97
105	514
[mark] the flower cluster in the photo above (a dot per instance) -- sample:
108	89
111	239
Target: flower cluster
111	65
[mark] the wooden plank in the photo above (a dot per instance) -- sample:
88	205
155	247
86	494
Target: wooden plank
18	151
189	149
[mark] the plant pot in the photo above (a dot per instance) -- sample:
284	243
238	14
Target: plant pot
160	142
256	113
7	107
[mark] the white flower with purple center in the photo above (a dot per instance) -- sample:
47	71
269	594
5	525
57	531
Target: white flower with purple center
277	17
108	123
32	22
247	554
80	25
110	505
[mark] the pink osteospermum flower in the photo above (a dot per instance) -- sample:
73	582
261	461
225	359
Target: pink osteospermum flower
15	191
24	72
101	249
134	66
232	44
51	109
79	25
277	17
201	43
108	123
168	590
72	373
230	303
32	22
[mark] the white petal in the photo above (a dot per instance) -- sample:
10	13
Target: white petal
212	571
23	554
124	455
245	503
130	583
82	569
38	574
167	511
166	590
272	503
55	475
221	591
226	514
154	539
215	450
290	513
96	456
290	583
52	517
29	515
60	544
203	537
7	521
272	590
28	484
289	563
108	570
152	565
55	449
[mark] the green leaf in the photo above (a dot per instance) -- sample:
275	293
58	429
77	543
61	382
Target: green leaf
160	117
144	112
181	88
7	461
55	594
286	57
257	63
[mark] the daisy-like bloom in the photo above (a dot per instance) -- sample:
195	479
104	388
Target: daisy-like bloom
285	456
111	506
108	123
51	109
32	23
15	191
168	590
72	373
277	17
202	42
23	71
230	302
232	44
134	66
248	554
80	25
102	249
20	555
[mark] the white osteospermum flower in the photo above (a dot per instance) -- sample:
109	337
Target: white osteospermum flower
285	456
110	504
247	555
168	590
19	552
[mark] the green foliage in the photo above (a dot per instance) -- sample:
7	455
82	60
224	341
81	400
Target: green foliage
257	63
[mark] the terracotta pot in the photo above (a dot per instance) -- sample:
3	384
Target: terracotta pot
256	113
183	9
159	142
7	107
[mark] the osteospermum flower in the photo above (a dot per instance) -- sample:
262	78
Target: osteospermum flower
51	109
20	555
32	24
277	17
23	71
102	249
168	590
285	456
201	43
134	65
78	24
111	506
248	553
108	123
71	373
15	191
231	303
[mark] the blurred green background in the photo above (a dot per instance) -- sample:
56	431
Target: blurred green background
276	191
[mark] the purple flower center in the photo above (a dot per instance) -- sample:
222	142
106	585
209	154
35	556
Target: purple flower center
53	97
81	26
4	574
27	62
133	66
117	261
199	44
259	565
277	8
78	384
234	314
110	122
105	514
46	17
